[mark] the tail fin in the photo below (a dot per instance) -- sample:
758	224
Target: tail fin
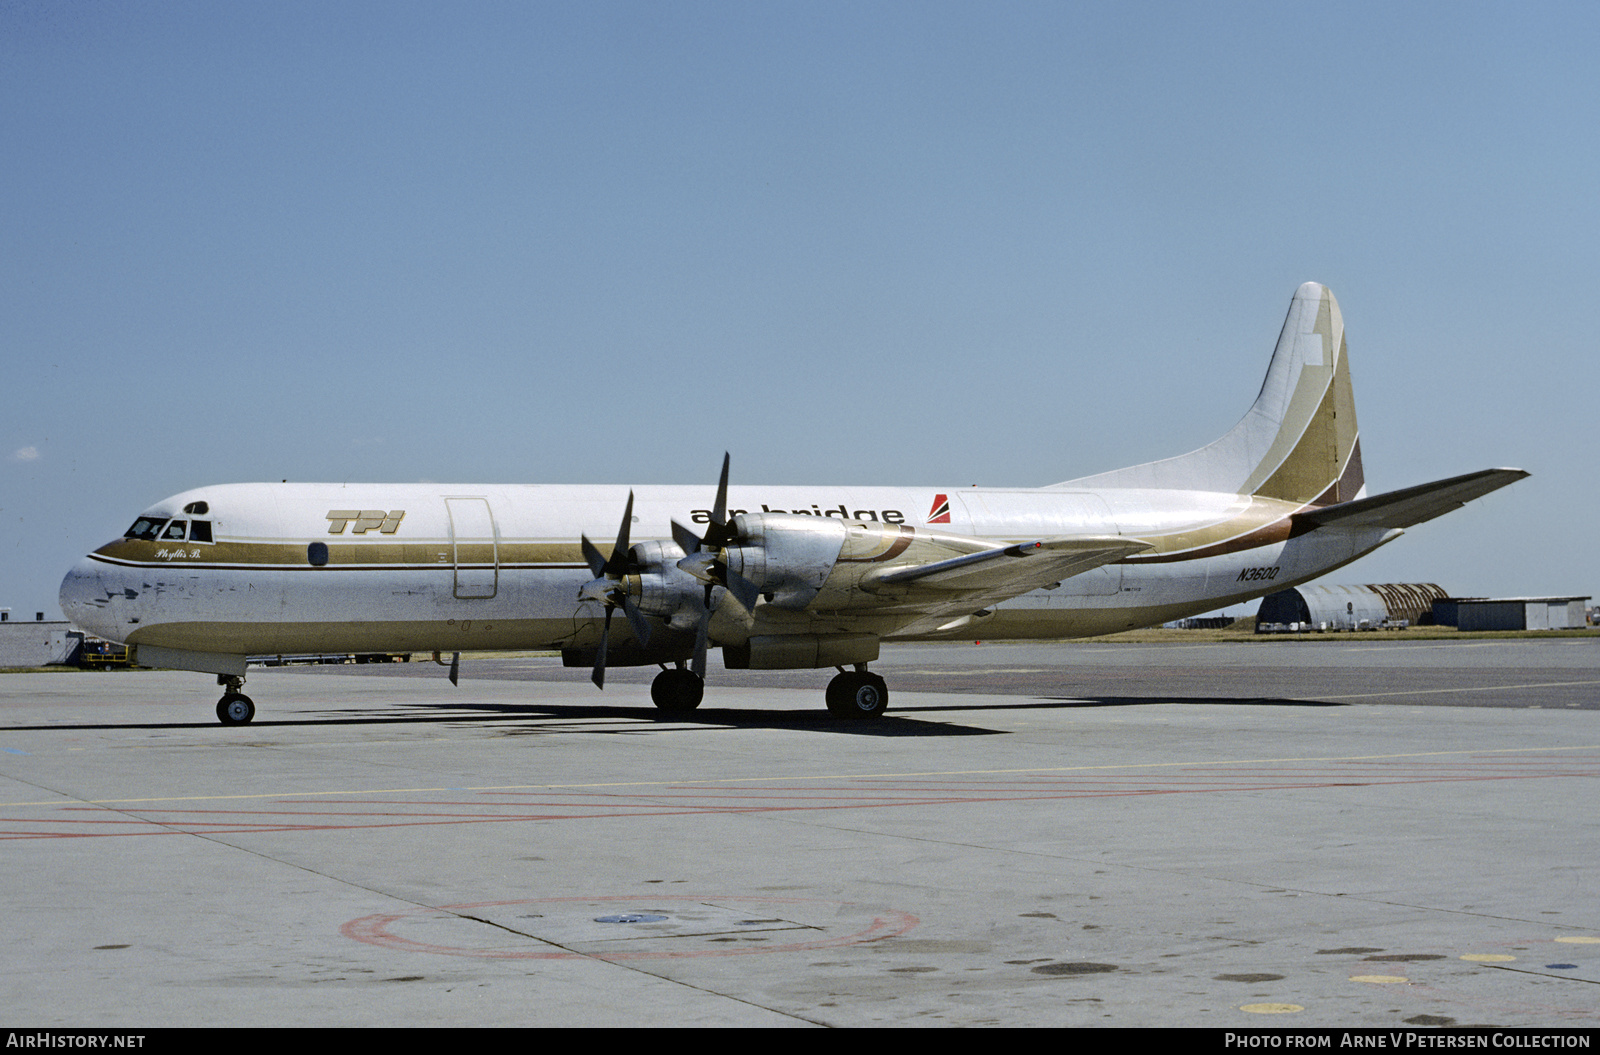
1298	442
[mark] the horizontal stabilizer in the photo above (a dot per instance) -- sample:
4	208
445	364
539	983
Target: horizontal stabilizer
1015	569
1412	505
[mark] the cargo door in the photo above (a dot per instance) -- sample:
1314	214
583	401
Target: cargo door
475	549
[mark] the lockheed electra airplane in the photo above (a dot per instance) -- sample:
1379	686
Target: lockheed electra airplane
777	577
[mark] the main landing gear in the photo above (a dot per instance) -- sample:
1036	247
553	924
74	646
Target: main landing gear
851	694
235	708
857	693
677	691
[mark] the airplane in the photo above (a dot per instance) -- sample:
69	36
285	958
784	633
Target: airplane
776	577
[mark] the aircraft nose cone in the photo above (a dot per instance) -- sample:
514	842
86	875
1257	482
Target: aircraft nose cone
86	600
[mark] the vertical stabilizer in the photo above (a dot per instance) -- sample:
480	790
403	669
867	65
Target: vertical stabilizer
1298	442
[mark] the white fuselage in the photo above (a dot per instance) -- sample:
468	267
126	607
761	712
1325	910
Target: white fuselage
414	567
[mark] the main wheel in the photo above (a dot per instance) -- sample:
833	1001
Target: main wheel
677	691
857	694
235	708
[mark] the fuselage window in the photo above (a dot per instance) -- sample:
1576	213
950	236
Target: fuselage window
146	528
175	530
200	531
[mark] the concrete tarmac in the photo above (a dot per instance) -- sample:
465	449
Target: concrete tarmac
1225	836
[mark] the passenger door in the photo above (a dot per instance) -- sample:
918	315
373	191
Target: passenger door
475	549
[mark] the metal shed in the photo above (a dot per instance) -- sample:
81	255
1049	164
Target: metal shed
1514	613
39	643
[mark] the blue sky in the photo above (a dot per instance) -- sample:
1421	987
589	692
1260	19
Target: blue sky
854	243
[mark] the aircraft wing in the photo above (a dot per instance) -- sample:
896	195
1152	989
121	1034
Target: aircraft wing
1006	571
938	596
1411	505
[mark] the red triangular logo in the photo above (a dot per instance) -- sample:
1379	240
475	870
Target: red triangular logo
940	513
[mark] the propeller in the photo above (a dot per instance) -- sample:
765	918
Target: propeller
703	559
609	587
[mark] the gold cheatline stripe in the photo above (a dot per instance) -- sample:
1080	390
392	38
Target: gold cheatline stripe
271	566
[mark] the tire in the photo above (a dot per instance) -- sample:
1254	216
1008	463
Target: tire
235	708
857	694
677	691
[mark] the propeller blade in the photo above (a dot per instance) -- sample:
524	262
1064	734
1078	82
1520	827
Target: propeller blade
687	540
719	511
702	632
597	563
743	590
720	532
599	675
636	619
701	637
617	566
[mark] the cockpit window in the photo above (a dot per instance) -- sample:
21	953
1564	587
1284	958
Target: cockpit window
146	528
197	508
153	528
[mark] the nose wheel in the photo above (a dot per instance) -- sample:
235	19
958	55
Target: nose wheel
857	694
235	708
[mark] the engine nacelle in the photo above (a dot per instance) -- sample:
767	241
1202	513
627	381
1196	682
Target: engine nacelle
664	589
788	556
832	564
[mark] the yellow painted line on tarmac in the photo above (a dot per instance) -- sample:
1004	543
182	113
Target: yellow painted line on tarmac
1433	644
982	672
917	774
1467	688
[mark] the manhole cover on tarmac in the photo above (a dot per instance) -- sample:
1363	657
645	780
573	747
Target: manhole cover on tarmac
667	921
625	928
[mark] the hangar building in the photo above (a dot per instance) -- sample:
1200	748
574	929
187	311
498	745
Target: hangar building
1368	607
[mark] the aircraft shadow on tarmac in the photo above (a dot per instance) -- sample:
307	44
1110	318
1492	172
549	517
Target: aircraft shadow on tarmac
900	722
508	715
890	725
1238	701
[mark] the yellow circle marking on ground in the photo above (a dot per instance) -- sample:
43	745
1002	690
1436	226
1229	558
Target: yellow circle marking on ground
1379	979
1581	940
1488	957
1271	1009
